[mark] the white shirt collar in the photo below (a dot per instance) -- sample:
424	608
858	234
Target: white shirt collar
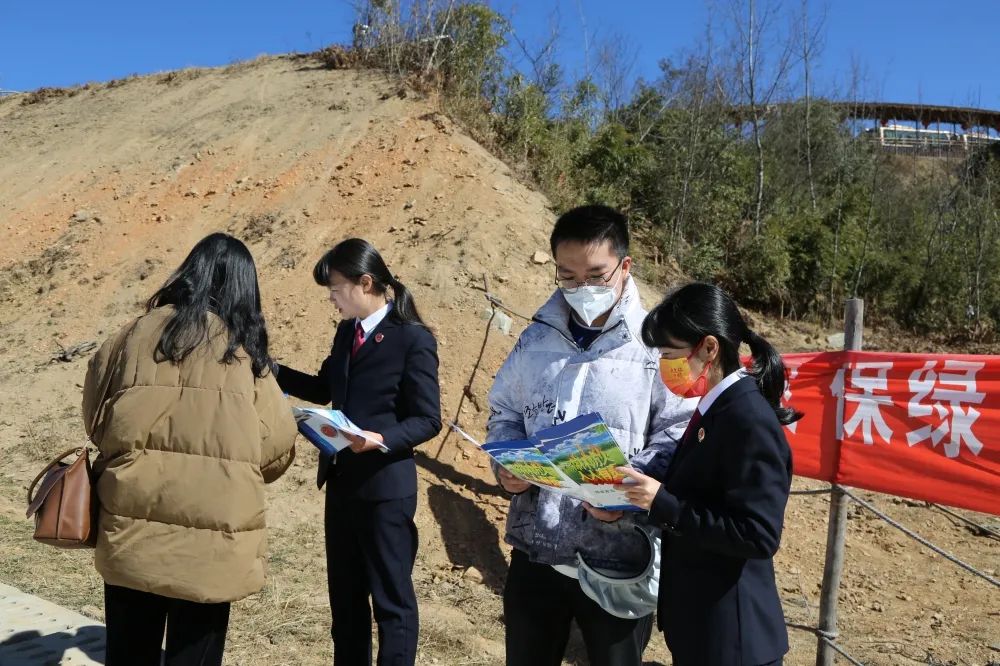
369	323
719	389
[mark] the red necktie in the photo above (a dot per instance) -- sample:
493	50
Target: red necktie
692	424
359	339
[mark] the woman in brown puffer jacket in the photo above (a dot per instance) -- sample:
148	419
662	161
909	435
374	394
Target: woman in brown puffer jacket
190	424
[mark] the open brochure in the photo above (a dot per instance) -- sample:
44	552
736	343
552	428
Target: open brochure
577	458
325	428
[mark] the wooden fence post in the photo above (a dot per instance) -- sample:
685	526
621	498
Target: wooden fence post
854	314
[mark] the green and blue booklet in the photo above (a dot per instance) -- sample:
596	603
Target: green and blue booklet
325	428
576	458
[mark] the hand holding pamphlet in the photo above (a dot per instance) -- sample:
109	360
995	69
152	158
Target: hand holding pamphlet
326	429
577	458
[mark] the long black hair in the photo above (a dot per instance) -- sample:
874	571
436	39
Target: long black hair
218	276
356	257
698	310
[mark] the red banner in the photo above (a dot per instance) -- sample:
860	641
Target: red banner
914	425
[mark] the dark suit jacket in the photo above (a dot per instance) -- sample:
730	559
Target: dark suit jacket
390	387
722	506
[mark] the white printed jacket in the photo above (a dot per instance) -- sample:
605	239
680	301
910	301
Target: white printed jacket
548	379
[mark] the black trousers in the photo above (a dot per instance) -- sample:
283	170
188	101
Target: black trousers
196	633
777	662
676	662
539	605
370	550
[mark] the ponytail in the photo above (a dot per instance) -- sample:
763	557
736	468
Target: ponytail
404	310
769	372
356	257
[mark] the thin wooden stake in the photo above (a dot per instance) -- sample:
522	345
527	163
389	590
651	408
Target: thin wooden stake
467	389
854	315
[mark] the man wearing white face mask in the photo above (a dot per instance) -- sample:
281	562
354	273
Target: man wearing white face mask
583	353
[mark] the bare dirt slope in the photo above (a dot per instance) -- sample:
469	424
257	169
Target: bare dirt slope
104	189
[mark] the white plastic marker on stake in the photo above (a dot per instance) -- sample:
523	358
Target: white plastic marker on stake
454	426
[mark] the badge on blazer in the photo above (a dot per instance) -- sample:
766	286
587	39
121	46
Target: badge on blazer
701	434
379	337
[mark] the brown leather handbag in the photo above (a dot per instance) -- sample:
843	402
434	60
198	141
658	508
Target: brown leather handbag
65	506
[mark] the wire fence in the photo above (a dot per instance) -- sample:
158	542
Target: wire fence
830	638
981	530
817	491
924	542
824	637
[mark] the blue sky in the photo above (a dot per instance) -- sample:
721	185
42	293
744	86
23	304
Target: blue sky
934	52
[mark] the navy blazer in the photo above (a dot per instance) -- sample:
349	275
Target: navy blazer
722	506
389	387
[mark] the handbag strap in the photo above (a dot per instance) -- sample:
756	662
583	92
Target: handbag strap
58	459
117	351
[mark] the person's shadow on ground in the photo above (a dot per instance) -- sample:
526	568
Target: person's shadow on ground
32	648
470	539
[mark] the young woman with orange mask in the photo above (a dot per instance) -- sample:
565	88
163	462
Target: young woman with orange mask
722	500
